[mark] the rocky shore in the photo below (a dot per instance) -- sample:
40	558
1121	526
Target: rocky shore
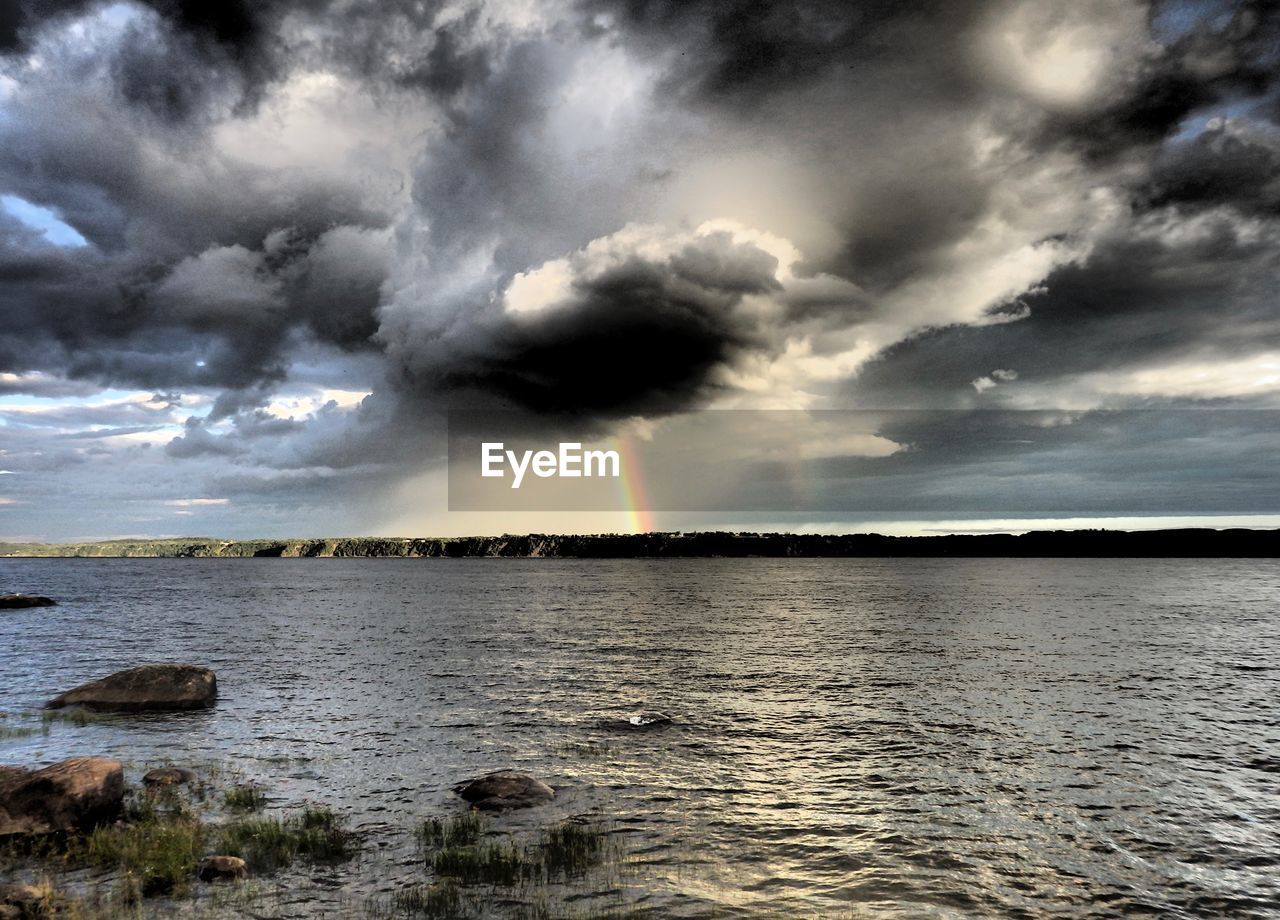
157	838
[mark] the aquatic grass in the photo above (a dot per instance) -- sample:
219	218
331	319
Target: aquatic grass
445	899
58	903
587	750
164	803
321	836
571	848
250	898
10	732
245	797
541	910
504	864
456	831
157	853
442	900
156	846
270	843
566	850
264	843
78	716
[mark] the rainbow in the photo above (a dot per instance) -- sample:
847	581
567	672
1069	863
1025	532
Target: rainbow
631	488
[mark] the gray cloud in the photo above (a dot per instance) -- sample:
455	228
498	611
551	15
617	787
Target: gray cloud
822	202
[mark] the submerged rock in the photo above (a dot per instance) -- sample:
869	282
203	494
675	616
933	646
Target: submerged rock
168	776
505	789
639	722
216	868
151	687
72	795
18	601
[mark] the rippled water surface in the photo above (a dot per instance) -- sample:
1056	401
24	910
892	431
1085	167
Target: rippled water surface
914	738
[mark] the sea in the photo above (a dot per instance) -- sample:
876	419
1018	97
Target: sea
914	738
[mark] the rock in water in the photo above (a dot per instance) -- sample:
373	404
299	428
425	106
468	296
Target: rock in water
16	601
168	776
213	868
150	688
72	795
640	722
505	789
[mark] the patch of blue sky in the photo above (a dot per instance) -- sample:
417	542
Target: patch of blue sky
1195	124
55	230
100	398
119	14
1174	20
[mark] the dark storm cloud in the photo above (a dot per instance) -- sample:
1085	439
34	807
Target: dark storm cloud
20	18
1223	165
743	50
159	67
235	23
640	337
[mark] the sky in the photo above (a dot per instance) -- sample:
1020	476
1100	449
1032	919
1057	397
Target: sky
252	254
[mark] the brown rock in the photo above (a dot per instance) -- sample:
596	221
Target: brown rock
72	795
17	601
505	789
152	687
213	868
168	776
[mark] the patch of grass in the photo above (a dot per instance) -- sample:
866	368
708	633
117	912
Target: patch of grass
270	843
245	797
157	855
457	831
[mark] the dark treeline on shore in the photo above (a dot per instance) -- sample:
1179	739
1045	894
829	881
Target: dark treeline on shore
1189	543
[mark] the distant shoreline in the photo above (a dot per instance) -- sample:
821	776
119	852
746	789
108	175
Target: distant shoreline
1183	543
